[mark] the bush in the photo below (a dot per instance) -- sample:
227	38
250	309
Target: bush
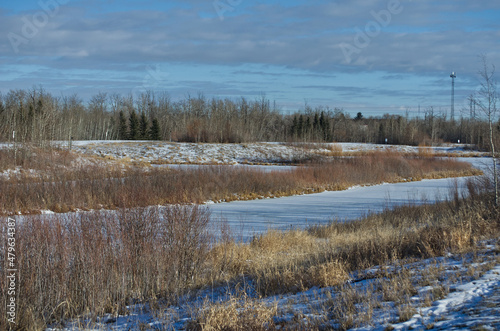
98	262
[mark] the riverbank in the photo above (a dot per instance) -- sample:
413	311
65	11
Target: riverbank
56	180
383	271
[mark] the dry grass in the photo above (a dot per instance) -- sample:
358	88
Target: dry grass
425	151
31	157
96	263
95	185
324	256
234	315
99	262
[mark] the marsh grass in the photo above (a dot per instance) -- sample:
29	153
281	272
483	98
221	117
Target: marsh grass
89	264
95	185
235	314
327	256
96	263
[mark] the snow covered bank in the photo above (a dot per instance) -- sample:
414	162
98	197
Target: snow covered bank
192	153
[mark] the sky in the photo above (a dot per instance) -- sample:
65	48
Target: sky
369	56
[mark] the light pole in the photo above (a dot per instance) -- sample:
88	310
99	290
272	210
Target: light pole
453	76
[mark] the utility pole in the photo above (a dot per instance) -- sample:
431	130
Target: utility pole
453	76
15	147
471	101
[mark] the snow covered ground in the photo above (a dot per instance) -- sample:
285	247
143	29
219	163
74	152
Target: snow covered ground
472	305
192	153
249	153
265	155
455	292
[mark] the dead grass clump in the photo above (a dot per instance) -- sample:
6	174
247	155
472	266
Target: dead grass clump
298	276
334	150
227	260
398	287
29	156
431	274
235	315
405	312
345	307
274	241
425	151
328	274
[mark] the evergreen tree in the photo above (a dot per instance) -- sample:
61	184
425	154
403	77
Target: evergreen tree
122	126
300	126
316	122
133	124
327	136
324	124
381	134
143	126
154	131
295	126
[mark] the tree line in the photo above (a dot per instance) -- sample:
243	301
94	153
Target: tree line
36	116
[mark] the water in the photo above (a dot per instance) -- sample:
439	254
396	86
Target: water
248	218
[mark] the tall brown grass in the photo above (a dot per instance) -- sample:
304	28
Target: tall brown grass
99	262
32	157
104	185
292	261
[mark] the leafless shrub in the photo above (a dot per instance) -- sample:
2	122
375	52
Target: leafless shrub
99	262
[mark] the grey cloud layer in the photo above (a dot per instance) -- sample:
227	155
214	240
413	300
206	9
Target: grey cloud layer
427	37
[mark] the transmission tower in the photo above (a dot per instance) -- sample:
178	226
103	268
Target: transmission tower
453	76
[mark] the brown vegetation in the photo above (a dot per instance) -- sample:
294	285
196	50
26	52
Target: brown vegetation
61	185
99	262
280	262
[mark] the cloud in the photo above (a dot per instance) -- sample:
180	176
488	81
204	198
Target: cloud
289	40
300	36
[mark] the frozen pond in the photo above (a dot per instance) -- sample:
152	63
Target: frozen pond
247	218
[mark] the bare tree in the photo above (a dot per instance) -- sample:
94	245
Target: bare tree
487	101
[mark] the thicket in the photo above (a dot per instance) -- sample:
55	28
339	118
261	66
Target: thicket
95	263
37	116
